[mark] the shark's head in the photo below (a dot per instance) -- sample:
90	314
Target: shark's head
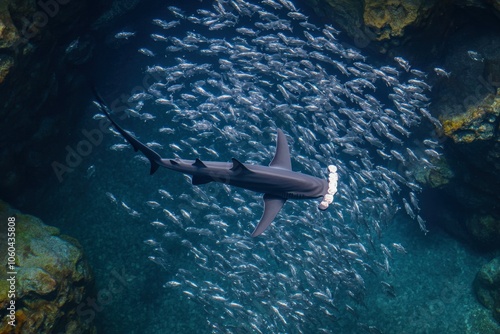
333	179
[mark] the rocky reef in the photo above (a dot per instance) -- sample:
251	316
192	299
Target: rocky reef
53	278
487	287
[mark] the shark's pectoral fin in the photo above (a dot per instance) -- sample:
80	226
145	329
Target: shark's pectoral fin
272	205
282	156
201	179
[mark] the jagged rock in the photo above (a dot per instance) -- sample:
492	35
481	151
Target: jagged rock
10	36
6	64
53	278
476	139
436	177
487	286
379	21
390	18
485	229
468	106
382	20
478	122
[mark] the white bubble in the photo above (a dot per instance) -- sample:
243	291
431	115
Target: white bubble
328	198
323	205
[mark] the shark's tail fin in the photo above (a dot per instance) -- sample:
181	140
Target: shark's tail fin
154	158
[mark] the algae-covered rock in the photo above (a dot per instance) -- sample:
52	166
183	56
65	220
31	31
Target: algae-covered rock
477	122
6	64
381	20
485	229
10	37
52	278
9	34
480	321
390	18
376	20
487	286
436	177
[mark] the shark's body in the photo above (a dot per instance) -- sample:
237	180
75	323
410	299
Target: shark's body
277	181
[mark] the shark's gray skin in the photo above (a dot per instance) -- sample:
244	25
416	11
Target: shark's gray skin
277	181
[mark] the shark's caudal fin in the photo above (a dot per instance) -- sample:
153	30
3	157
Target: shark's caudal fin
272	203
154	158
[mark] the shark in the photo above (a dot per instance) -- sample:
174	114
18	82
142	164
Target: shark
277	181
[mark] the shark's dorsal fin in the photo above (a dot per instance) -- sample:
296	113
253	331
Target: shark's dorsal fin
239	167
199	163
174	162
272	205
282	156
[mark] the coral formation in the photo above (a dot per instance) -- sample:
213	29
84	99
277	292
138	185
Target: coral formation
53	278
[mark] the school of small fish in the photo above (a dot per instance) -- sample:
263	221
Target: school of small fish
221	81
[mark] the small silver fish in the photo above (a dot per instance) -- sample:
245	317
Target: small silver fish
151	242
399	248
441	72
90	172
73	45
111	197
146	52
118	147
476	56
124	35
158	224
153	204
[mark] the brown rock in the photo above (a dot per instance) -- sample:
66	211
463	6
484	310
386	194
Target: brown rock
478	122
53	278
390	18
375	20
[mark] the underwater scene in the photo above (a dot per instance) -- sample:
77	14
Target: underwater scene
249	166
